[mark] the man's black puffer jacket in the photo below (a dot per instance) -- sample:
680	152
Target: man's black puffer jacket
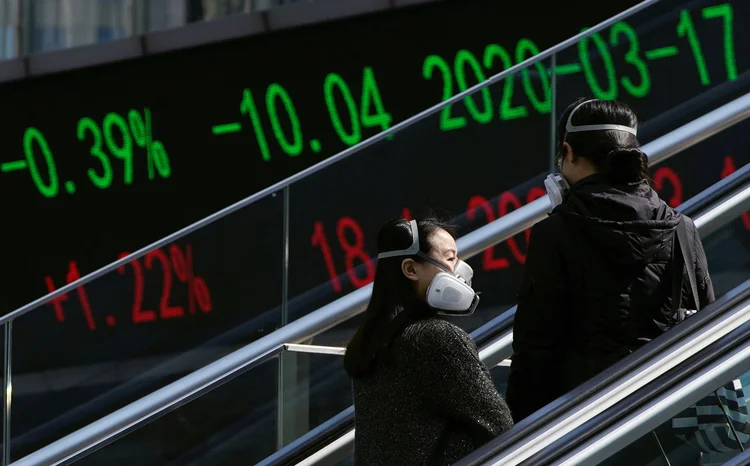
596	287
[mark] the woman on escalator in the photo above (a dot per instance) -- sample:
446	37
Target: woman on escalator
421	394
598	278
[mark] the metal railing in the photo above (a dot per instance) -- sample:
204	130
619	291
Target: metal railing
713	209
654	404
558	420
130	417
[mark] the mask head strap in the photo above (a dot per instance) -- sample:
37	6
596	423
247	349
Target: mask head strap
569	128
413	250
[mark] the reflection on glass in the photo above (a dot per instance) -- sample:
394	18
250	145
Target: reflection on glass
236	422
728	253
9	24
315	388
146	324
207	10
62	24
708	433
500	375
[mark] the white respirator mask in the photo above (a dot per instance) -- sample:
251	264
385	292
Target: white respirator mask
449	292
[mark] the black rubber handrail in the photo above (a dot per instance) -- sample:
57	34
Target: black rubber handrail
620	370
687	370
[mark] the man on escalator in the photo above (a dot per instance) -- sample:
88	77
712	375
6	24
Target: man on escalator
598	278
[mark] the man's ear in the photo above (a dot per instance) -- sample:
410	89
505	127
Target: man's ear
568	153
409	270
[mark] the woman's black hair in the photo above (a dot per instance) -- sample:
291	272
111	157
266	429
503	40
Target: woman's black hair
394	301
616	155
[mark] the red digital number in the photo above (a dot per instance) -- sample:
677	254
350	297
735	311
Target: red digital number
72	275
489	261
57	302
534	193
730	168
319	240
165	310
663	174
507	202
508	199
178	261
354	251
182	264
139	316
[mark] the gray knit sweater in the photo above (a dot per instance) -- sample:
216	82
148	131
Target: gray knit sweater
433	404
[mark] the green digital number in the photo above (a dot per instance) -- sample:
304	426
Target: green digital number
544	105
104	180
686	28
123	152
447	122
507	111
633	57
334	81
464	57
45	189
248	107
274	94
726	12
372	110
583	53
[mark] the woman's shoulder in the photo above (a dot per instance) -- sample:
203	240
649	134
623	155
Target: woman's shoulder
434	333
432	327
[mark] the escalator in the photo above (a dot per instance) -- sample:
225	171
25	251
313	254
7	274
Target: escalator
613	418
715	211
296	388
626	429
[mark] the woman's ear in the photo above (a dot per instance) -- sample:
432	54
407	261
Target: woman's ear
409	270
567	153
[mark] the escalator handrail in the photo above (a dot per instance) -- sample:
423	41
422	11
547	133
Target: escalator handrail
713	193
306	444
503	323
285	183
181	391
651	396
